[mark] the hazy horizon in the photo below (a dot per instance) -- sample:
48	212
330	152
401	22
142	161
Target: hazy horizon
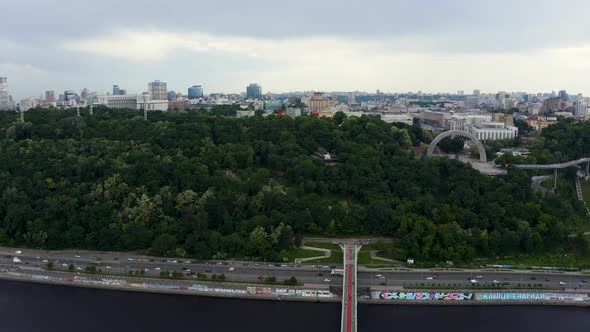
393	46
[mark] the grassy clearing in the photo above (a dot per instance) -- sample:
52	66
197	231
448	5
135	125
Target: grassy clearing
364	258
302	253
321	245
544	260
335	258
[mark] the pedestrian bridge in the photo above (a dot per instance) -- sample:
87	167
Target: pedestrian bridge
349	287
558	166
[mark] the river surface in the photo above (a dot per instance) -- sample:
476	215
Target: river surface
47	308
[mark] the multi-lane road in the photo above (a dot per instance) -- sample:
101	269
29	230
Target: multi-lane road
122	263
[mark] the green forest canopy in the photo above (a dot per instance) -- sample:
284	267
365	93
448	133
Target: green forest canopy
192	184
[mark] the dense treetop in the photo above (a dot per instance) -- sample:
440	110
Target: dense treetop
215	187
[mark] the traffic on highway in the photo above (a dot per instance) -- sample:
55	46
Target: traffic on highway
119	263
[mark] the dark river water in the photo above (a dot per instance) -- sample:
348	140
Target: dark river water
37	307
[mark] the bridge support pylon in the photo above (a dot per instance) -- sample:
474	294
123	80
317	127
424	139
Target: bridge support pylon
555	180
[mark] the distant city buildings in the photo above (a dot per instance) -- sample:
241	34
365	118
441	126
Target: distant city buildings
563	95
254	91
28	103
5	103
195	92
70	95
50	96
158	90
117	91
552	105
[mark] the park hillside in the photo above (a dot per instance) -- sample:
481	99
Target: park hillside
204	185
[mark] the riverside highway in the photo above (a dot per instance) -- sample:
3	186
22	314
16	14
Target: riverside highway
121	263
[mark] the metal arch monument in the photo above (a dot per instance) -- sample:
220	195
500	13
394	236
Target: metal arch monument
451	133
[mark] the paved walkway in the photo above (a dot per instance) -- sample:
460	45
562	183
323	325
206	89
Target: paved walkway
327	254
373	254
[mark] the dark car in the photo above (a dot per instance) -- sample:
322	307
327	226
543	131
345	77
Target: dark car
320	274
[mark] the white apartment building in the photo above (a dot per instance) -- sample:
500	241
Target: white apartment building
27	104
244	114
581	109
463	122
4	96
134	102
482	127
293	112
397	117
493	131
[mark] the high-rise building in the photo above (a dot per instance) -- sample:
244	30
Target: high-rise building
581	109
4	97
50	96
476	92
158	90
116	90
563	95
318	103
171	95
195	92
70	95
254	91
351	98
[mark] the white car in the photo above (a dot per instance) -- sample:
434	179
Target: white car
64	265
473	281
562	283
430	278
77	256
18	252
496	282
130	259
378	276
79	268
45	261
478	277
157	269
230	269
327	280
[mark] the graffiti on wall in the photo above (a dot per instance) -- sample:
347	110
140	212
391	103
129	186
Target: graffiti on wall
507	296
424	296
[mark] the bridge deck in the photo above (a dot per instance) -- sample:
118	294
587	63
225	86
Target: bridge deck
556	166
349	296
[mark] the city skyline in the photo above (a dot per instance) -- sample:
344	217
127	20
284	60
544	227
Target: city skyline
444	47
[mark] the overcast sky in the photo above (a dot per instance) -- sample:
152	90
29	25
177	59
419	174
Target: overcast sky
333	45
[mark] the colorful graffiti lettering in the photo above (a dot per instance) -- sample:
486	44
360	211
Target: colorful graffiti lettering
425	296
